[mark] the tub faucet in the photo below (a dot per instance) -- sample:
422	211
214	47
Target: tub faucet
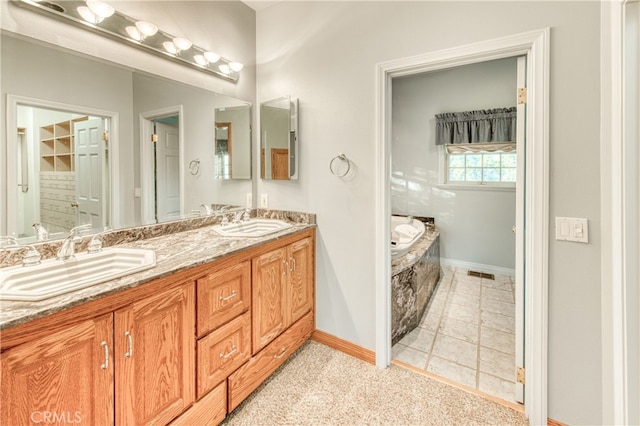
68	248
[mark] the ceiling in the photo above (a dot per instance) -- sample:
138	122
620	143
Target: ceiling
259	4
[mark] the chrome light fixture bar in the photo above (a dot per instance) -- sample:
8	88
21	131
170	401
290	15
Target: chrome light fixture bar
100	17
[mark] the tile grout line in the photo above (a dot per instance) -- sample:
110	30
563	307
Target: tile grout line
437	330
479	336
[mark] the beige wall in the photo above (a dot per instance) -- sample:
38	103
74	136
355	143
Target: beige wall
325	54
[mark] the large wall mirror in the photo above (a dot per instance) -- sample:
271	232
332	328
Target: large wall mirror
88	141
279	139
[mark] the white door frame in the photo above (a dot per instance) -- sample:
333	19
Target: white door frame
114	151
535	45
146	159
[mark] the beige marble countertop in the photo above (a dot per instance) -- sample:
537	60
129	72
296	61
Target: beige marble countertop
174	252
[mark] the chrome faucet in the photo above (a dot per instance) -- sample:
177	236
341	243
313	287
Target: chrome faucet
238	216
41	232
10	244
207	209
68	248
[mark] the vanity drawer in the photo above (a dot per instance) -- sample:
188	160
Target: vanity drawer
222	296
252	374
209	411
222	352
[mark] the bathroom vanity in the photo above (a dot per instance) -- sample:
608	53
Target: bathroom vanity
183	343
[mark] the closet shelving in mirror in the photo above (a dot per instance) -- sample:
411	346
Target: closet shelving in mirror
57	146
129	30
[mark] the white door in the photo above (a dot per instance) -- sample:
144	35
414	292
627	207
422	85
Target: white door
89	158
167	171
519	230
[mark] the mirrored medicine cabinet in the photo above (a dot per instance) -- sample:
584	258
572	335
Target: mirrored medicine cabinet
279	142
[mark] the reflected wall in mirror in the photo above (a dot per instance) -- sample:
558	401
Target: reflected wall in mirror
128	101
279	139
233	142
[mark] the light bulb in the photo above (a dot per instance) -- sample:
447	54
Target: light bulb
170	47
146	28
88	15
201	60
224	69
134	33
100	8
181	43
236	66
212	57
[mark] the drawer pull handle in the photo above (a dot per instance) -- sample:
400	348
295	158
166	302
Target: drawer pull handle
293	264
286	266
129	353
229	297
234	349
281	354
105	365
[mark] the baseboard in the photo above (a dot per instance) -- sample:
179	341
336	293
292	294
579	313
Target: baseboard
345	346
498	270
551	422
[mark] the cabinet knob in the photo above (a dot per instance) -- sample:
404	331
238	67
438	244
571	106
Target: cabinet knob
229	297
281	353
129	353
105	364
233	350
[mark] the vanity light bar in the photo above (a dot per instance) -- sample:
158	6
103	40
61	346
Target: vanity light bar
91	15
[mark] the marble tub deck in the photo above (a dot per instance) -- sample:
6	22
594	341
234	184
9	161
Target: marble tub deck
413	279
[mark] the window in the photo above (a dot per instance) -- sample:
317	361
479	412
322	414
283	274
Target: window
481	164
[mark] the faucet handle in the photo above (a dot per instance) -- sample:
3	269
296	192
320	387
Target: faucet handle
8	242
95	245
76	230
32	257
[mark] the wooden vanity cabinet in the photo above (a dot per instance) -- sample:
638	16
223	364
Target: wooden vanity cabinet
155	357
61	378
131	366
282	290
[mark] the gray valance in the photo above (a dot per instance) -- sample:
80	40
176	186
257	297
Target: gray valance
489	125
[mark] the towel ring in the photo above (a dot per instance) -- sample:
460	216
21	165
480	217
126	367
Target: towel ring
194	166
341	157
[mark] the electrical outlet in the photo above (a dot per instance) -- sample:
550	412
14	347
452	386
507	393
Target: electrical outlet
249	200
264	201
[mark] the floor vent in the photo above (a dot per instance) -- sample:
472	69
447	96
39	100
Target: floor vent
481	275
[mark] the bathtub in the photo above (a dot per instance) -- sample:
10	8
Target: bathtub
405	233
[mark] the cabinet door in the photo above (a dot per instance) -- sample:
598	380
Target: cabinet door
301	271
267	299
65	377
155	357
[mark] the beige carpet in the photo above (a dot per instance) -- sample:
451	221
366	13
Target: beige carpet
321	386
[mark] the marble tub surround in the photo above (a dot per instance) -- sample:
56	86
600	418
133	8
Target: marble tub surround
177	247
49	249
413	279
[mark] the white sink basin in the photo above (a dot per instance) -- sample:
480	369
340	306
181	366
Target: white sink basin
251	228
54	277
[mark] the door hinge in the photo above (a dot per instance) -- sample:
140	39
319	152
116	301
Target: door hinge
154	137
522	95
520	375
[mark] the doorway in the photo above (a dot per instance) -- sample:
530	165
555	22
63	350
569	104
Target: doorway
64	164
465	329
162	185
535	46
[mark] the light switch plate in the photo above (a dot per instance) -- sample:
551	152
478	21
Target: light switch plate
264	201
572	229
249	200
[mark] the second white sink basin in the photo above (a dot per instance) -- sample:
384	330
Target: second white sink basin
251	228
54	277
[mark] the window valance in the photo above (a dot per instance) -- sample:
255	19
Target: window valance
481	126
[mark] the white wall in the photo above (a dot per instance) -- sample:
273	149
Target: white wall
325	54
475	223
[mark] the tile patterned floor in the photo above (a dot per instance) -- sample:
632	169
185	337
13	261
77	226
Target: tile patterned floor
467	333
